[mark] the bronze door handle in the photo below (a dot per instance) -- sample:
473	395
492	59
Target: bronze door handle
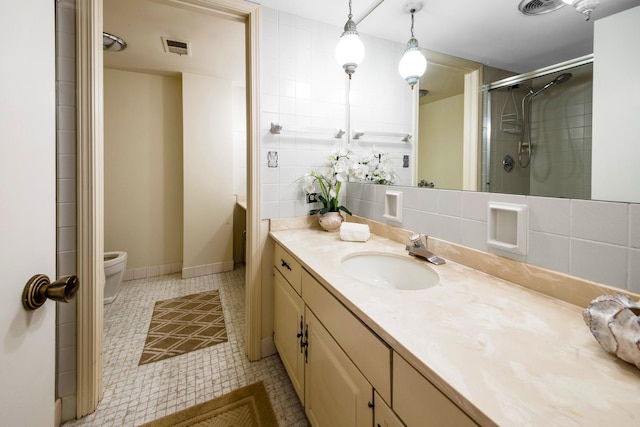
39	288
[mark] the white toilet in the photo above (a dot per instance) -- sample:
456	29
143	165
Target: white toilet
115	264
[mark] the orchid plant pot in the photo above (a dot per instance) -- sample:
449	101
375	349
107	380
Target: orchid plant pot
330	221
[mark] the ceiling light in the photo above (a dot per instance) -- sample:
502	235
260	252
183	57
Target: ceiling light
583	6
413	63
112	43
350	50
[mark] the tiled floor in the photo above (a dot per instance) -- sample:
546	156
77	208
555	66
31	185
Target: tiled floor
137	394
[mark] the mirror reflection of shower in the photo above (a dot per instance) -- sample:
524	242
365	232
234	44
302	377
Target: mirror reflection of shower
537	138
525	145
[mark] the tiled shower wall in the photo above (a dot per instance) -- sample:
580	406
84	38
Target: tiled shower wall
561	126
66	202
561	135
303	88
598	241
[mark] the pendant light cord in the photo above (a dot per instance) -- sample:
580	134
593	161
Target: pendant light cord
412	12
350	15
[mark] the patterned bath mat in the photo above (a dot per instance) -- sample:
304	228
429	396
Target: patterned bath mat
184	324
246	407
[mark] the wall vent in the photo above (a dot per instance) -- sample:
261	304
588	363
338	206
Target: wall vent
181	47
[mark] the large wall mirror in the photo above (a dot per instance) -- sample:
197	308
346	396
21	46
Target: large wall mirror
483	128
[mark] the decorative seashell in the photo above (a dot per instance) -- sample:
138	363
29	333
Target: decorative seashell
614	322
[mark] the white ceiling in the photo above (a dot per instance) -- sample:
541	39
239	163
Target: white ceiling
492	32
143	23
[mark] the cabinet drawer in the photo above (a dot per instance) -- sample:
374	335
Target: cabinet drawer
368	352
420	403
288	266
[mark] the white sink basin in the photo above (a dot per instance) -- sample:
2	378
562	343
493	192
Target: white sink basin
390	271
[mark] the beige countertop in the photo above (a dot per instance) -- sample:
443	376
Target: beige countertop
507	355
241	201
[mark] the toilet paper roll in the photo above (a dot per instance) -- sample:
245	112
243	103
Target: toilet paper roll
354	232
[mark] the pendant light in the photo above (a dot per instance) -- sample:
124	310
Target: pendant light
413	63
583	6
350	50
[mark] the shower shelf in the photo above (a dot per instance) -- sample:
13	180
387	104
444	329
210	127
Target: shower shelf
510	120
511	123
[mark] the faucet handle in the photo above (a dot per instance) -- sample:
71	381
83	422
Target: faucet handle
416	240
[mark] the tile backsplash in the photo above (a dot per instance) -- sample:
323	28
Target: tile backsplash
593	240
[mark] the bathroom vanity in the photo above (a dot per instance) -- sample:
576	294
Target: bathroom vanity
472	350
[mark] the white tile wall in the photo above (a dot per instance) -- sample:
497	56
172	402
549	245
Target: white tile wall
599	262
549	250
450	203
634	270
303	87
600	221
594	240
474	205
634	226
66	202
552	215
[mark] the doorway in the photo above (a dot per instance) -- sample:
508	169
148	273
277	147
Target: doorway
447	123
91	192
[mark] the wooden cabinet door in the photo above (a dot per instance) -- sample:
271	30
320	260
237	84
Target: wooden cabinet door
287	319
383	415
420	403
336	393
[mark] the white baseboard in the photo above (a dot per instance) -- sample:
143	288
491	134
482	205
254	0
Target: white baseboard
153	271
58	413
206	269
176	267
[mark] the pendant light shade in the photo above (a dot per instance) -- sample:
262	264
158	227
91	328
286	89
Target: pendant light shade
350	50
413	63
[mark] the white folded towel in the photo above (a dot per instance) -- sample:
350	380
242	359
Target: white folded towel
354	232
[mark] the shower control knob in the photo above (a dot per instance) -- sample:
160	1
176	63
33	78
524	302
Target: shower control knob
507	163
39	288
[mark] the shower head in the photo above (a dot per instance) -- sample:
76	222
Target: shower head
112	43
560	79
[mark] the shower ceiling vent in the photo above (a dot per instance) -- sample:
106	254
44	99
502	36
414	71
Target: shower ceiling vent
539	7
181	47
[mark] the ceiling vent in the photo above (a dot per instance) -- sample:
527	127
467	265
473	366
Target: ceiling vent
180	47
539	7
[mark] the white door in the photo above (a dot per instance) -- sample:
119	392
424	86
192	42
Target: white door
27	210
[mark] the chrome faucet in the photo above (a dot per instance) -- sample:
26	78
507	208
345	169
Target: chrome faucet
419	249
